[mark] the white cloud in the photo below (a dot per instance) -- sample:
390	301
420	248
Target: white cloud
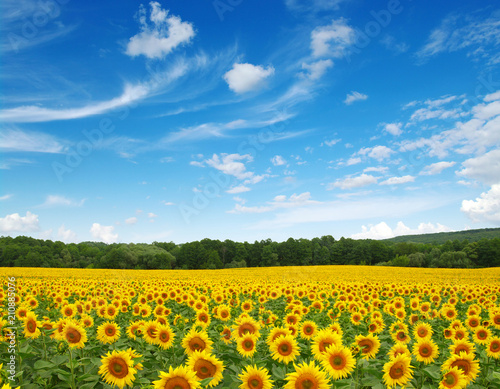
168	203
245	77
383	231
17	140
354	96
160	35
485	168
238	189
66	235
378	169
61	201
332	40
479	37
484	208
104	233
492	96
317	69
152	215
279	202
131	220
436	168
353	161
393	128
5	197
278	160
377	152
353	182
398	180
230	164
331	142
15	222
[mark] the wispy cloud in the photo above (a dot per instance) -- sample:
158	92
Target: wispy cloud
15	140
354	96
60	201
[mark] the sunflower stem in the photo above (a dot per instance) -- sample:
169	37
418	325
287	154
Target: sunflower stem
72	369
81	356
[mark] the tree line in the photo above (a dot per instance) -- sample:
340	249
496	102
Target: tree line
25	251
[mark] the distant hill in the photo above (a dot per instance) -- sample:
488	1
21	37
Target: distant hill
443	237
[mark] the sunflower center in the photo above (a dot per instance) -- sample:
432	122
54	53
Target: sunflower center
495	346
73	336
248	345
401	335
422	332
462	365
245	329
366	345
450	380
164	336
177	383
255	382
397	371
425	351
306	381
482	335
118	368
285	349
337	362
31	326
197	344
110	331
323	345
204	369
308	330
227	334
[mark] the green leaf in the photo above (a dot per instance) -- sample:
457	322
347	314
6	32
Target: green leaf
206	381
89	385
278	372
40	364
433	372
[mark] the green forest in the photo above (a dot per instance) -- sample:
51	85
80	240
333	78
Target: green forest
481	250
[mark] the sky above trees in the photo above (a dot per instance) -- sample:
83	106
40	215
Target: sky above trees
248	120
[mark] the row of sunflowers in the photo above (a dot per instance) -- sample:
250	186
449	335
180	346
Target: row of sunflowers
292	328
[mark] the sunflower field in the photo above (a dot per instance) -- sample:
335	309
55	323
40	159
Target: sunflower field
255	328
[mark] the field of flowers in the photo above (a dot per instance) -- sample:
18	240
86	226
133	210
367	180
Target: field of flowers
257	328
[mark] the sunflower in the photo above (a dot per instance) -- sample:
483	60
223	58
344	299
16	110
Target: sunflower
401	336
181	377
150	330
466	363
75	335
397	349
307	376
253	377
285	349
481	335
308	329
196	341
368	344
108	332
135	329
165	336
87	321
226	335
323	340
223	312
117	368
31	326
425	350
460	345
422	330
398	371
245	325
453	379
493	347
473	321
338	361
277	332
202	319
246	345
206	366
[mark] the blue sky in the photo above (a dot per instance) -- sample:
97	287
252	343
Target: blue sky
247	120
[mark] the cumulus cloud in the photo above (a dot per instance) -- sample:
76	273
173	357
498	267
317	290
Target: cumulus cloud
332	40
278	160
238	189
436	168
485	168
486	207
354	96
377	152
393	128
279	202
16	222
353	182
160	34
383	231
398	180
66	235
61	201
245	77
316	69
131	220
104	233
